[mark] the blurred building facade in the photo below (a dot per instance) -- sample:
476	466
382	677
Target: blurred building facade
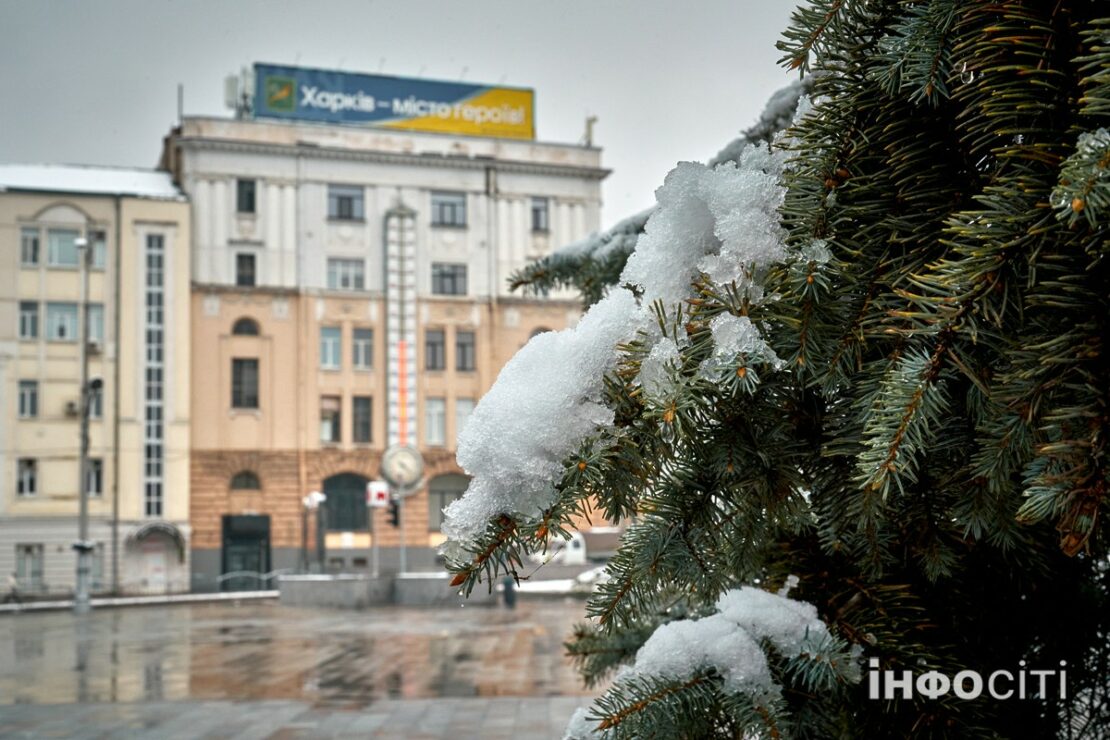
350	293
137	225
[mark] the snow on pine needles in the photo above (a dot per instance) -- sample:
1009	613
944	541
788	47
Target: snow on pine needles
547	400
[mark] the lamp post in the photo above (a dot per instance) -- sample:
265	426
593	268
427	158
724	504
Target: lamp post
82	546
311	502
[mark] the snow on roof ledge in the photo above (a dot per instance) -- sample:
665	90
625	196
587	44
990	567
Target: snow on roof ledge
89	180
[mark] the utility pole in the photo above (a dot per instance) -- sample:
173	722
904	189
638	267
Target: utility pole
81	604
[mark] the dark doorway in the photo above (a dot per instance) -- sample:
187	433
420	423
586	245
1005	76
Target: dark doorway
346	503
246	552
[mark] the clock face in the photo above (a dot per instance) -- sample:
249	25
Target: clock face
402	466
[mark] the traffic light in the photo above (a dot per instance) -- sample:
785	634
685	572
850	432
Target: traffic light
394	513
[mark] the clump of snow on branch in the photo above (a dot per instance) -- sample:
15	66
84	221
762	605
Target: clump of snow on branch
729	642
752	235
547	400
737	337
817	252
581	727
786	105
681	650
654	374
718	221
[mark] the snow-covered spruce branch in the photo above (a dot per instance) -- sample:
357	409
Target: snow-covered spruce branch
547	407
591	265
718	669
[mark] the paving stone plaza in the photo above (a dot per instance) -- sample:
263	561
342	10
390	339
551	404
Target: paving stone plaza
260	670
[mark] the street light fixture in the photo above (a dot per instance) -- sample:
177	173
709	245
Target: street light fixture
311	502
81	602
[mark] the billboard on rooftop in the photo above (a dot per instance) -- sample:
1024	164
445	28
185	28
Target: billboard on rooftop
299	93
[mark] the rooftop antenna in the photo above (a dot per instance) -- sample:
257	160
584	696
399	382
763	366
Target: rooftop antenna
231	94
588	137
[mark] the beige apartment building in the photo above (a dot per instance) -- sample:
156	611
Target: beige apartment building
350	293
136	223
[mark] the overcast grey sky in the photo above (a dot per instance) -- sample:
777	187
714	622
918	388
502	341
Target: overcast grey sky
95	82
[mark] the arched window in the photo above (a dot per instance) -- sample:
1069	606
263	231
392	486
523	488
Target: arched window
245	327
442	490
245	480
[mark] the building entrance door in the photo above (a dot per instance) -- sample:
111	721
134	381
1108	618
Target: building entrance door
154	565
246	553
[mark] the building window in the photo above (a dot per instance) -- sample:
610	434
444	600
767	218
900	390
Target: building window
442	491
153	450
244	270
362	408
29	246
28	320
96	402
245	480
94	477
362	348
244	196
435	422
330	347
28	399
345	202
61	322
28	477
463	408
435	349
448	279
62	247
99	241
448	209
540	221
346	274
245	327
96	322
244	383
464	350
28	566
330	419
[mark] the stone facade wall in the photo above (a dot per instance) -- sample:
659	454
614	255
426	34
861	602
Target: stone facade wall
281	492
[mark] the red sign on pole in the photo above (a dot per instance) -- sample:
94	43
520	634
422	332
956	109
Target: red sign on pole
377	494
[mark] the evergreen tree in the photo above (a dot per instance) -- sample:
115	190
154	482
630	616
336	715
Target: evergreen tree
907	408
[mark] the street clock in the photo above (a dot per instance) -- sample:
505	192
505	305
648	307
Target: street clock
402	466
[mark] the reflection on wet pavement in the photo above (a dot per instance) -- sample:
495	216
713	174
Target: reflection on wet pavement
265	651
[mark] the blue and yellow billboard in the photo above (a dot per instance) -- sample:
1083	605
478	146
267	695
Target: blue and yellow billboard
302	94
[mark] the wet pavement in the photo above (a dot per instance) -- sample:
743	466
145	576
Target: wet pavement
284	672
